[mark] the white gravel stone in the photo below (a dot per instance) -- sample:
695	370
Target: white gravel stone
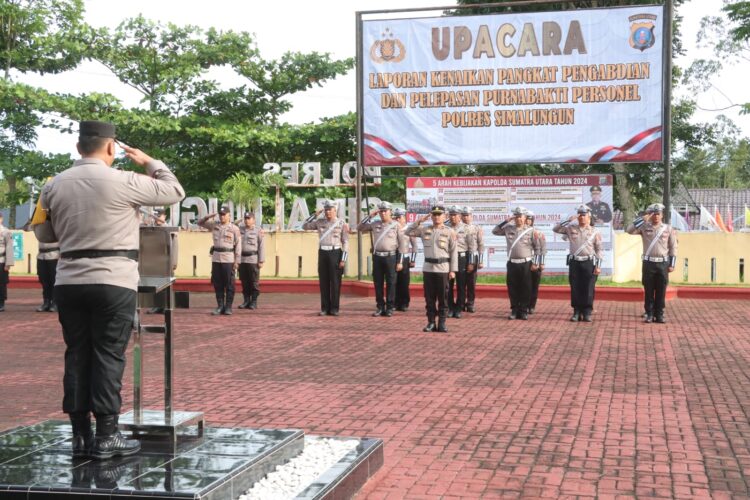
290	479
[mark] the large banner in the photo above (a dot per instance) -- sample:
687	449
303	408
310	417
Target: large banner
551	198
571	86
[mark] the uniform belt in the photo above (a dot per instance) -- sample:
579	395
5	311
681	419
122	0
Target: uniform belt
520	261
329	247
582	258
49	250
222	249
441	260
249	254
384	254
97	254
655	259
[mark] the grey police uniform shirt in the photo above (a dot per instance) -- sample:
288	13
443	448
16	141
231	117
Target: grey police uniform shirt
465	240
542	249
224	236
437	243
476	234
338	237
253	241
92	206
528	247
582	241
386	237
665	247
6	247
48	251
412	247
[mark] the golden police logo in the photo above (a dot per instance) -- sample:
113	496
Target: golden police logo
387	49
642	34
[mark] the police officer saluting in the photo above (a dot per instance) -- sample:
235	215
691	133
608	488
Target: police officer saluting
476	234
659	259
466	248
536	276
333	250
389	247
6	261
225	258
440	264
584	261
252	259
93	211
523	258
403	277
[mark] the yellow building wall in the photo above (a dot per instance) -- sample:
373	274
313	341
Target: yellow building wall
697	248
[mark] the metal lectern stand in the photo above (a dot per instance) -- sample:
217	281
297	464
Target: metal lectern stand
155	288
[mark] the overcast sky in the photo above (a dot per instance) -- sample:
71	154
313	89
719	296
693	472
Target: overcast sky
323	26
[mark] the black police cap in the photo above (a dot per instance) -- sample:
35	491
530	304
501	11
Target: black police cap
96	129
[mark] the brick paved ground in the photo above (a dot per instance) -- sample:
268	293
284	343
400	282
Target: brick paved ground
542	408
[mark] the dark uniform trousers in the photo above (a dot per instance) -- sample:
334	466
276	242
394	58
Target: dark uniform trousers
519	286
457	286
250	278
436	291
222	278
329	278
655	279
536	278
403	278
4	278
384	270
46	270
582	285
96	322
471	287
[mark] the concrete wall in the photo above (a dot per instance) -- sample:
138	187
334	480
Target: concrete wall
697	248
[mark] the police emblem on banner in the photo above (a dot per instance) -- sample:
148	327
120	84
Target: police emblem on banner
387	49
642	34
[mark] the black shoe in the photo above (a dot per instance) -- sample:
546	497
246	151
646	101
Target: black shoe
227	311
531	310
335	312
2	307
44	307
253	304
470	309
587	318
575	316
441	327
388	313
377	313
323	313
244	305
52	307
155	310
659	319
649	319
457	314
524	316
83	436
108	441
430	327
401	309
513	315
217	311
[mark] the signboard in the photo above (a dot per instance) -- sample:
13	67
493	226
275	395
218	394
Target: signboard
563	86
551	198
18	246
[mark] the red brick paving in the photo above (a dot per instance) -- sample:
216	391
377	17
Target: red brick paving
544	408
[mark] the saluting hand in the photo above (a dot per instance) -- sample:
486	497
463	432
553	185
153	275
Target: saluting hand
136	155
424	218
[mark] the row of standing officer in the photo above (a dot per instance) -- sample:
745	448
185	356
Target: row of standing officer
235	248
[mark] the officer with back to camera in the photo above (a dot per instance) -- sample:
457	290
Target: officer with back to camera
584	261
94	212
659	259
225	258
388	249
333	251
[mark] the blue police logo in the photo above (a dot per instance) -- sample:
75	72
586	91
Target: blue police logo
642	34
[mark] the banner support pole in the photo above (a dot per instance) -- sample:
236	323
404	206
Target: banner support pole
667	98
360	151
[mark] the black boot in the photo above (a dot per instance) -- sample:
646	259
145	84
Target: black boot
441	323
83	436
575	316
219	307
245	304
109	442
44	307
228	304
430	325
2	306
253	302
52	306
